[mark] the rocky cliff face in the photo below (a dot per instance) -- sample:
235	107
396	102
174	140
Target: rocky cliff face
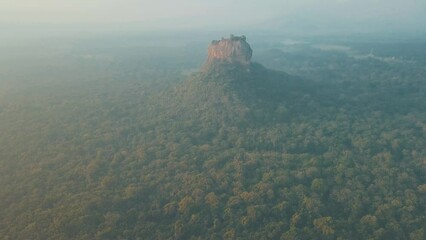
230	50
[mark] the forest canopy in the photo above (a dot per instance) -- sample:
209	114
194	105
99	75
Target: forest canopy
117	140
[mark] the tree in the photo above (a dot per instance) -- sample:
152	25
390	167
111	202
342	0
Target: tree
323	225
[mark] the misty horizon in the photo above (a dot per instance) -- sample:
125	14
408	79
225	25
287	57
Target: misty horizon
292	17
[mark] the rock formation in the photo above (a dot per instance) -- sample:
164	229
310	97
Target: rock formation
229	50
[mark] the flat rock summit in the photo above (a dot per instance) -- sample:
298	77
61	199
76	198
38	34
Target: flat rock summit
234	49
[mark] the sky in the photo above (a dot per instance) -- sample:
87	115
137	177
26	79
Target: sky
169	14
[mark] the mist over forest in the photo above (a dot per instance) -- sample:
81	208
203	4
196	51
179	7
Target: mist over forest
111	133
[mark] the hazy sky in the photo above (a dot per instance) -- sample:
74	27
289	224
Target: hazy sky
199	13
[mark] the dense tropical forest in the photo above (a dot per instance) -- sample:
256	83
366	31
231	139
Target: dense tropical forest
123	138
